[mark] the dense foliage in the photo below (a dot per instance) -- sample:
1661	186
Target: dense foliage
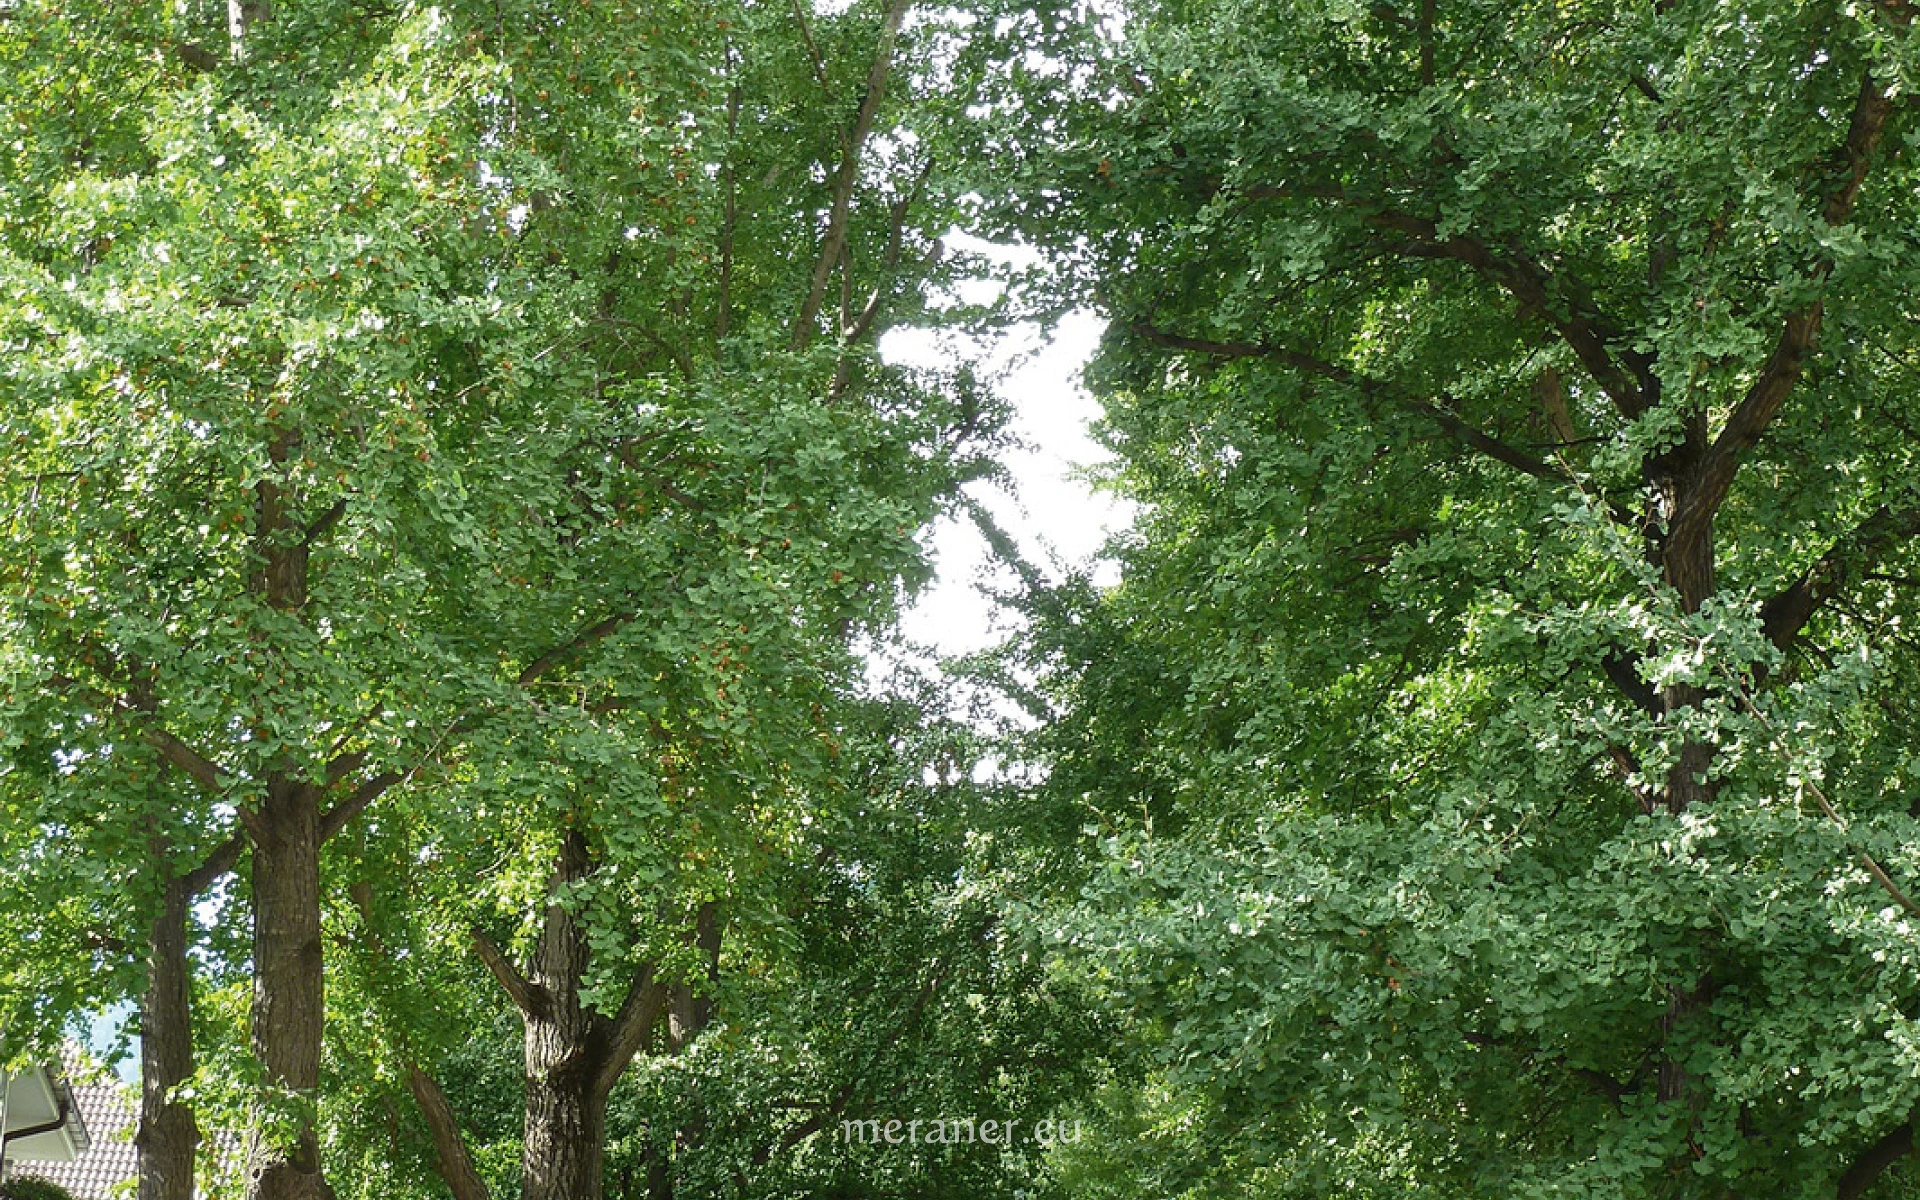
453	492
448	471
1502	739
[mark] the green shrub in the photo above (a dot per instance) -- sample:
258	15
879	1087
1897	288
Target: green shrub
33	1189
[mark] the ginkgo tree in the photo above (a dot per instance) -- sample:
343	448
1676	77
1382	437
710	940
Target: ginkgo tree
1504	727
411	405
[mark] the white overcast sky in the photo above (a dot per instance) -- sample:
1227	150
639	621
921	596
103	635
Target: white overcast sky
1047	505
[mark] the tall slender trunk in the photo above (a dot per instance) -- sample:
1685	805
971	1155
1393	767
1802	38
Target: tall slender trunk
1687	563
289	991
169	1137
1686	557
289	996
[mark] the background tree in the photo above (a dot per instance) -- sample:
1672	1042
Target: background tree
867	973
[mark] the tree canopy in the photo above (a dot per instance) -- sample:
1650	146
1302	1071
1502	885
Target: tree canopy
1502	735
453	489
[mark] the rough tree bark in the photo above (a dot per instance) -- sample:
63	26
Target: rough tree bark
573	1055
565	1127
450	1156
289	1000
169	1137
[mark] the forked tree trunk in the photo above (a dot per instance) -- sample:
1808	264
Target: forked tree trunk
573	1055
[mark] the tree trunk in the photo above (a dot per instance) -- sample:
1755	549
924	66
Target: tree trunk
562	1155
289	993
169	1137
573	1055
566	1123
1687	562
659	1175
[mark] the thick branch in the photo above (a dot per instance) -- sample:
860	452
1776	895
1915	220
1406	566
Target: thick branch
222	859
195	765
373	787
321	524
342	814
646	1000
1632	387
243	16
1622	671
572	646
1770	388
175	752
196	56
862	324
529	999
1786	613
450	1156
1890	1149
834	242
1447	422
343	765
1539	294
1594	1080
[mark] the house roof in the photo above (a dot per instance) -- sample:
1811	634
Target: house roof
107	1168
111	1160
39	1099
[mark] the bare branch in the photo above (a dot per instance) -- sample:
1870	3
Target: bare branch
450	1156
1866	860
834	242
862	324
324	522
526	997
